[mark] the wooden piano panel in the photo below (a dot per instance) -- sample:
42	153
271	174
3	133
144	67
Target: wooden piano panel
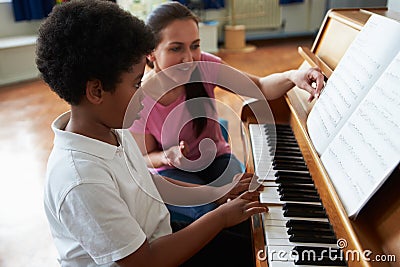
377	227
335	37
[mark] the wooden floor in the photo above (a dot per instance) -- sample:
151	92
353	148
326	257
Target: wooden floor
26	112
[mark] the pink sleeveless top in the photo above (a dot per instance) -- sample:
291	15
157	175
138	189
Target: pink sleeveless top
173	123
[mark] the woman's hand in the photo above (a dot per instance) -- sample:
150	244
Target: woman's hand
175	154
311	80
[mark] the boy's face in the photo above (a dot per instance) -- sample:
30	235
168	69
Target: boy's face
117	102
180	43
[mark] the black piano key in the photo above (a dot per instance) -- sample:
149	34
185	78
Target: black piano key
302	206
300	165
283	167
293	230
314	234
289	144
297	174
292	193
304	192
287	181
303	210
279	130
311	190
291	180
283	135
283	143
278	127
320	228
288	157
294	197
296	186
297	162
319	251
279	135
304	214
281	139
287	153
280	149
313	239
294	178
305	223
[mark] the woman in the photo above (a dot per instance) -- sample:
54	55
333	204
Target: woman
178	132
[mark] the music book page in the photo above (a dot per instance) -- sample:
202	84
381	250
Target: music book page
355	124
367	148
365	60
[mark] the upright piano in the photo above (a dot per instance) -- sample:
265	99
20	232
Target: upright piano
375	233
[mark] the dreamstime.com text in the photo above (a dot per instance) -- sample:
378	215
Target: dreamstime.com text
329	253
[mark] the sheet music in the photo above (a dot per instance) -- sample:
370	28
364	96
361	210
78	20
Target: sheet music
367	148
362	64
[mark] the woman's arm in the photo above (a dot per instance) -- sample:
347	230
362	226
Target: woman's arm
156	158
277	84
274	85
147	144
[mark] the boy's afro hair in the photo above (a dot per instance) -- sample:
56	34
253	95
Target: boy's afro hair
89	39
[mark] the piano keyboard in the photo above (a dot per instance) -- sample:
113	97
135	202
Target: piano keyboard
297	229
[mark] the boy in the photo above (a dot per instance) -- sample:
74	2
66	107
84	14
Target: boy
101	202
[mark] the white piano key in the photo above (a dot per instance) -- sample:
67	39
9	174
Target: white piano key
265	178
286	242
275	232
268	183
270	195
266	200
274	213
274	222
281	253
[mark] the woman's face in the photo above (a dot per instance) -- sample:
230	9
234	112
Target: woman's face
180	43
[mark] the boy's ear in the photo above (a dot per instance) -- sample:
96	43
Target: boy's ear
94	91
151	57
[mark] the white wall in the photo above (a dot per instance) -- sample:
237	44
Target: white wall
309	13
8	26
298	19
356	3
17	47
394	5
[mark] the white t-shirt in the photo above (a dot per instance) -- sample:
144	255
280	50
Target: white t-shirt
100	200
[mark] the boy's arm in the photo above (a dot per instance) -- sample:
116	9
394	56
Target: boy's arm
173	190
176	248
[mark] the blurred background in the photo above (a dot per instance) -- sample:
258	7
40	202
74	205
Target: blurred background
259	19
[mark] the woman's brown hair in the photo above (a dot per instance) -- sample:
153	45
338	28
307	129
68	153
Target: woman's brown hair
158	20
